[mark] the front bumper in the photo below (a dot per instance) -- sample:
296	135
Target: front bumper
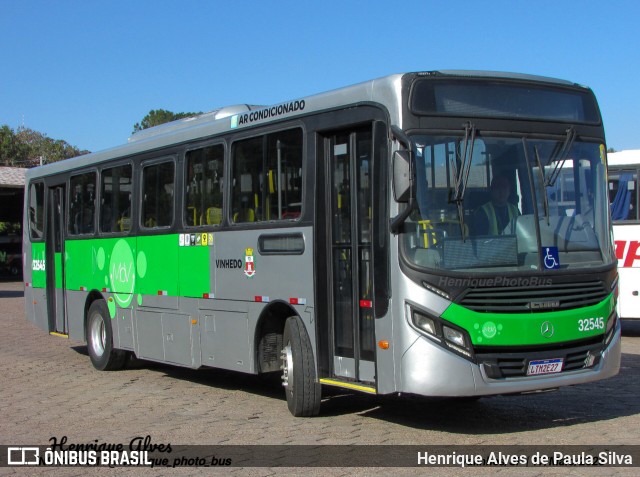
429	370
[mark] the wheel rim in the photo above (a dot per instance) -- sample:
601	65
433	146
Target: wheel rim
98	335
287	368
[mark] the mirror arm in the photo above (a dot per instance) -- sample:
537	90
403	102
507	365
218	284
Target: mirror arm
401	136
399	219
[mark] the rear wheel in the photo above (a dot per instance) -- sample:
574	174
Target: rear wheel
299	371
100	339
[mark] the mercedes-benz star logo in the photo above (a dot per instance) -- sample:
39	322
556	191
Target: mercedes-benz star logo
546	329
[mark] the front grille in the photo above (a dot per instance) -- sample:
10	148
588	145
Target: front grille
533	299
501	365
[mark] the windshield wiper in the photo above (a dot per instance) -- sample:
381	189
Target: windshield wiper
560	157
545	199
462	175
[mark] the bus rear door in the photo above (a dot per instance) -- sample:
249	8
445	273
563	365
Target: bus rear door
55	259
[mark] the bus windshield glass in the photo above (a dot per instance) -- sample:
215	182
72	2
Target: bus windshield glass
488	204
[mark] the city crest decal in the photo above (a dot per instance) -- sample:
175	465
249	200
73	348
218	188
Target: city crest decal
249	263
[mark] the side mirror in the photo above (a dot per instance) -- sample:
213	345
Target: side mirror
402	180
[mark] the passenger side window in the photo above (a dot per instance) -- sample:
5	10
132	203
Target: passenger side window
82	204
267	177
623	195
115	213
204	182
157	195
36	210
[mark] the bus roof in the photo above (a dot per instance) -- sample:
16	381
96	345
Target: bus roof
630	157
385	90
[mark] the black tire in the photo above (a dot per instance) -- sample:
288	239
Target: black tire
299	371
100	339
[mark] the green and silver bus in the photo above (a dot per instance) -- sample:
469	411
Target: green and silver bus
398	236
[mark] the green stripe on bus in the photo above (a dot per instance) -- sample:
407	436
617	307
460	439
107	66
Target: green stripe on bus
38	265
511	329
145	265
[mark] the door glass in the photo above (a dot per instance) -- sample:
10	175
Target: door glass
363	161
342	258
364	206
351	210
343	301
55	260
341	191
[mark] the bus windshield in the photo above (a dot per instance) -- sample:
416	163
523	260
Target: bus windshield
487	204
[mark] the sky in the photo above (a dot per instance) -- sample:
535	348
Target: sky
86	71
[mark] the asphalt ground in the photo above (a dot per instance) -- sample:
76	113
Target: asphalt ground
48	388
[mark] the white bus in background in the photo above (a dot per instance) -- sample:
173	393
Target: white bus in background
623	194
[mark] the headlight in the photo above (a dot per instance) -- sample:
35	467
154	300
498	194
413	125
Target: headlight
454	336
424	323
456	341
445	333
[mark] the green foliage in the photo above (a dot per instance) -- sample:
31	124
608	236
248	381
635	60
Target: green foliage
9	228
156	117
12	151
26	147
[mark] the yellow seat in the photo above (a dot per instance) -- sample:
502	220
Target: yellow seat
124	223
245	215
214	215
445	227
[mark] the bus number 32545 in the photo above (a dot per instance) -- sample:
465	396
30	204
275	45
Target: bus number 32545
590	324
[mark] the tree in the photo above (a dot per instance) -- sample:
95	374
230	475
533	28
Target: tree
12	150
611	150
26	147
159	116
41	146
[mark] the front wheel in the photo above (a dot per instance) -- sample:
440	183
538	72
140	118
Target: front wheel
299	371
100	339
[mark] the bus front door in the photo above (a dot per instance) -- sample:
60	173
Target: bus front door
351	330
55	260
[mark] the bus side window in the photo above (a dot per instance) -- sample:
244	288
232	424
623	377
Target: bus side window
36	210
284	174
157	195
203	189
267	177
115	212
247	169
82	204
623	195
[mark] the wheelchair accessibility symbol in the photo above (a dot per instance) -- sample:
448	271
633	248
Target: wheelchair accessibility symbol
551	259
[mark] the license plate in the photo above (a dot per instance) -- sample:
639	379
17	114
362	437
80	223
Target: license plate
545	366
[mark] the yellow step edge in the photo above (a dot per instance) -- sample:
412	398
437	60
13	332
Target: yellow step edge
342	384
61	335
